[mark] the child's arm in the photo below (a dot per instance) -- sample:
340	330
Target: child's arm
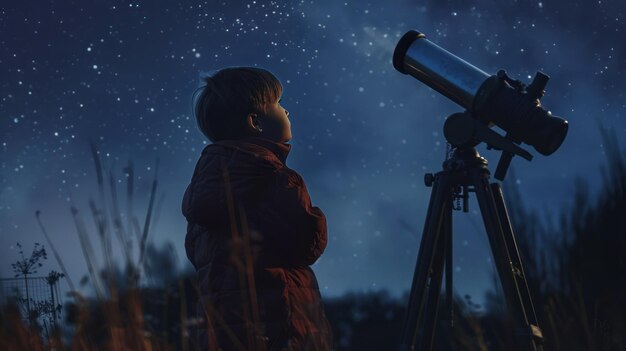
297	228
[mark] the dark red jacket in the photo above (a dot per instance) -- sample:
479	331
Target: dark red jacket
252	235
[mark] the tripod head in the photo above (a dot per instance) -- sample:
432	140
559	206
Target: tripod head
464	130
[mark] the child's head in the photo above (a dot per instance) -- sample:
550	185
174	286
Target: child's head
237	102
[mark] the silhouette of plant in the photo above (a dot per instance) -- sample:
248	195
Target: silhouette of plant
28	266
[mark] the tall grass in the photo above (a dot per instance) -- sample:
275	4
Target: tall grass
115	319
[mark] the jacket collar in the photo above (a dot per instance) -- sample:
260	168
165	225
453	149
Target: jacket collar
252	144
280	150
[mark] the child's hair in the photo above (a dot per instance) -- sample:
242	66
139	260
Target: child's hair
229	96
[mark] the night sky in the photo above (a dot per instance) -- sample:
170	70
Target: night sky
123	73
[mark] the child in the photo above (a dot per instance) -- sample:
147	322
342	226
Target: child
252	232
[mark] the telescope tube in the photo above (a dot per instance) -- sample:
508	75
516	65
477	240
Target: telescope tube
446	73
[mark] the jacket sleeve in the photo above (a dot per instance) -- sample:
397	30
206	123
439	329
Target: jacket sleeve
296	227
203	202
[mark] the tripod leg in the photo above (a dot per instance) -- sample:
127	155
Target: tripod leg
504	265
424	265
449	268
516	261
429	323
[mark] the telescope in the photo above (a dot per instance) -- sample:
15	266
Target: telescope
490	99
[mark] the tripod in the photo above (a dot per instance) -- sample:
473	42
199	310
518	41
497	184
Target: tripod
464	172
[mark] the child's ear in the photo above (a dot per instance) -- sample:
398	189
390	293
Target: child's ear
253	122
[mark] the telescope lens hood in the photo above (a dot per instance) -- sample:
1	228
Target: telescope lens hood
403	45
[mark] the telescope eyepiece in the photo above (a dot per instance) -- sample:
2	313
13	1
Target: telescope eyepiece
536	89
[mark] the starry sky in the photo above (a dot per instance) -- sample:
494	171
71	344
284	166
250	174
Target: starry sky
122	75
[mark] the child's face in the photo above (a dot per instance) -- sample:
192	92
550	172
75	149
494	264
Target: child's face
275	123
